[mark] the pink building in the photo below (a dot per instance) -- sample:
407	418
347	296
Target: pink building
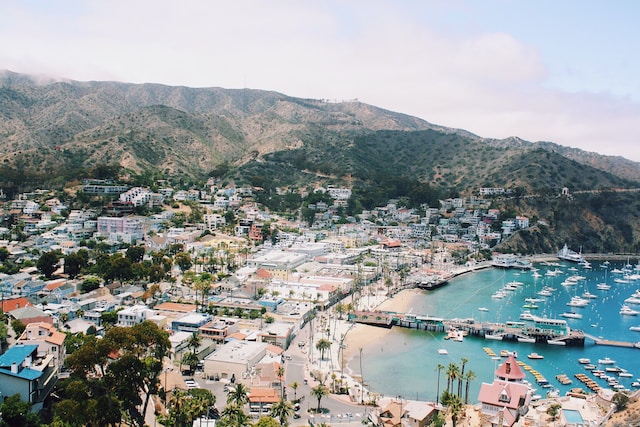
508	397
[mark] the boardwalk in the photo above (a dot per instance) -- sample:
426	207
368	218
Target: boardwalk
549	331
610	343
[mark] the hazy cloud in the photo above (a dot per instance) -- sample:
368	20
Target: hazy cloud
440	62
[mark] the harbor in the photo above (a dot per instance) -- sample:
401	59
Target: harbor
419	325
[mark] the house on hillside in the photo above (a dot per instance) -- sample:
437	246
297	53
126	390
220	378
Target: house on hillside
49	340
23	372
401	413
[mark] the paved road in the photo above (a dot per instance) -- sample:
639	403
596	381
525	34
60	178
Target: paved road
336	410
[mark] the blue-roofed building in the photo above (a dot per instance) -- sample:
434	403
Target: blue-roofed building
23	373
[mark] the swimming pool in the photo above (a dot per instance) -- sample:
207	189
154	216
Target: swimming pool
573	417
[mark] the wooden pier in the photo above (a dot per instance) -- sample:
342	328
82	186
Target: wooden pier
510	331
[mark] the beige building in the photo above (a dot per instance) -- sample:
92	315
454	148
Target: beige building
234	360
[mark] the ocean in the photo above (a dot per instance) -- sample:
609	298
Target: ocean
406	363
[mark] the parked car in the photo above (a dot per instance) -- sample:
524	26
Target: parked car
190	383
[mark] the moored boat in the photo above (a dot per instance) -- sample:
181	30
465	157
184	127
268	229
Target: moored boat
535	355
493	337
571	315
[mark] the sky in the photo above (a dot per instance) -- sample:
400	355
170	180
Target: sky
543	70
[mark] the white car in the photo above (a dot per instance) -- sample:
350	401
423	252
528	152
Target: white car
191	384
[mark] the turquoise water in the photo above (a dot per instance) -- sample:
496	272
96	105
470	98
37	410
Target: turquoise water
406	363
573	417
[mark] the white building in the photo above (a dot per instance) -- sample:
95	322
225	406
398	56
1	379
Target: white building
136	314
234	359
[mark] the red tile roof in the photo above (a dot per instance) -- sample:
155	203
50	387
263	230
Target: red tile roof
11	304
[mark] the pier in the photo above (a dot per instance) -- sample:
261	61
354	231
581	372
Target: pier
611	343
540	330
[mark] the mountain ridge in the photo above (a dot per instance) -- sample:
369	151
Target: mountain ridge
182	130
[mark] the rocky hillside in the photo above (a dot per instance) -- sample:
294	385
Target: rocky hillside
56	131
49	126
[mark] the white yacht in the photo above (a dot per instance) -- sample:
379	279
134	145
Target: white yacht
526	315
628	311
571	315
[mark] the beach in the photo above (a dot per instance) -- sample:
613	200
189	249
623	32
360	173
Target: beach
361	336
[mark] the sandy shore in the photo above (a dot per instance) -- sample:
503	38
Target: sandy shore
361	336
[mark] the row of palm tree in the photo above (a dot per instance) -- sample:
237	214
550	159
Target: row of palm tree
452	396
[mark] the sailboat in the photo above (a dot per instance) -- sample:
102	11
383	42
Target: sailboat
603	286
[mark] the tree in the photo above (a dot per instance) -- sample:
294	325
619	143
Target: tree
90	283
267	421
183	260
15	412
454	405
135	374
234	416
18	327
238	395
440	367
294	385
323	345
280	375
461	376
185	406
319	392
135	253
48	263
339	308
468	377
452	373
75	262
553	410
621	401
282	410
191	360
119	268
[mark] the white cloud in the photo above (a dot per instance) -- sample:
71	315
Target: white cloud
402	56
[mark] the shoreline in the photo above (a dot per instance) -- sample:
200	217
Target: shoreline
362	336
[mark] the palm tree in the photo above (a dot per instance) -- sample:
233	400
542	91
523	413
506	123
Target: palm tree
194	342
294	385
461	376
323	345
452	373
233	415
361	379
469	376
440	367
280	375
455	406
238	395
282	410
319	392
339	308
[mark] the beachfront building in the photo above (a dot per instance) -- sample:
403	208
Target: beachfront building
506	399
